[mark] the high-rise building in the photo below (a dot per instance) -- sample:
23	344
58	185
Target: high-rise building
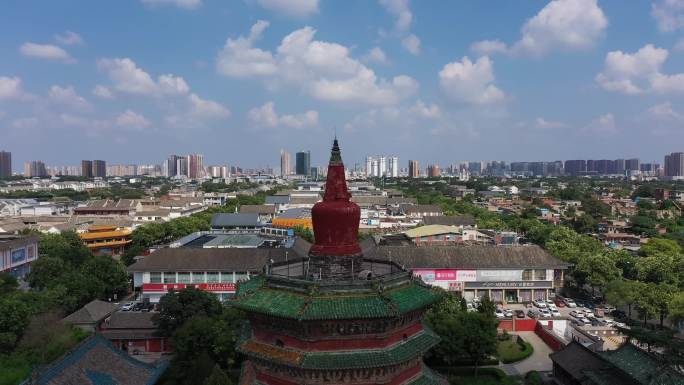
433	171
181	166
303	163
632	164
382	164
195	166
99	168
674	164
35	168
218	171
171	166
369	166
575	167
393	169
87	168
5	164
413	169
475	168
285	163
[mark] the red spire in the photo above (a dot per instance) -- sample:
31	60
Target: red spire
336	219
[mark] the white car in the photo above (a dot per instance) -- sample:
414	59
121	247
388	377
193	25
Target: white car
577	314
555	313
570	303
508	313
544	313
585	321
470	307
127	306
589	314
552	307
499	313
539	303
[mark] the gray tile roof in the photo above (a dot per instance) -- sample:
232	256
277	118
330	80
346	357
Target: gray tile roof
215	259
450	220
235	220
277	199
258	209
16	241
93	312
474	257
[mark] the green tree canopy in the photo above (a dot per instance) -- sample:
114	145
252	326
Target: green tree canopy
176	307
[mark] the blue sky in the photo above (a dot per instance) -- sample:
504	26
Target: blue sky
438	81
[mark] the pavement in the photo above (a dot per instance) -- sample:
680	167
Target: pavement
539	360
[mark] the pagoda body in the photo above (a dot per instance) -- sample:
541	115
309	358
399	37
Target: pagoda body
335	317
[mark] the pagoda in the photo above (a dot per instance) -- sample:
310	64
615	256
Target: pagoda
336	317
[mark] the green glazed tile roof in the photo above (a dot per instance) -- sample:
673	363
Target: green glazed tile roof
256	297
428	377
413	347
641	366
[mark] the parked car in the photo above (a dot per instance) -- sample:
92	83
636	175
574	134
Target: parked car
608	308
532	313
598	322
570	303
539	303
555	312
544	313
137	307
589	314
508	313
552	307
499	313
470	307
577	314
520	314
127	306
585	321
619	314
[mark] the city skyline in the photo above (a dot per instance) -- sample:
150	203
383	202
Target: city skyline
220	83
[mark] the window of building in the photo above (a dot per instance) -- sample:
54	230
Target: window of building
184	277
540	275
528	275
212	277
227	276
170	277
155	277
198	277
241	277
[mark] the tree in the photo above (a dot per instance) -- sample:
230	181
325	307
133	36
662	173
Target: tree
597	270
108	271
67	246
660	247
487	307
176	307
676	309
8	283
663	295
218	377
45	272
646	303
14	317
620	292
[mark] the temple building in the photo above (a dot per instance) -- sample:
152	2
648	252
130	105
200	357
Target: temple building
335	317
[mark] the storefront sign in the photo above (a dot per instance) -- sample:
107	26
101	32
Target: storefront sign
18	255
508	284
163	287
456	286
445	275
499	275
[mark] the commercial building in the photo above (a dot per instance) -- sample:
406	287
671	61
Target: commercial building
393	167
575	167
674	164
433	171
17	253
507	274
87	168
303	163
195	166
285	163
35	168
5	164
99	168
414	169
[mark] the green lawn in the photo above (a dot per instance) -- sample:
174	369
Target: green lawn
513	350
485	376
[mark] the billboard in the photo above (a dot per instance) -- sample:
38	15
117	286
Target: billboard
163	287
499	275
18	256
432	275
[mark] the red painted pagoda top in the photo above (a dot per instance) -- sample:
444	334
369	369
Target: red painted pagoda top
336	219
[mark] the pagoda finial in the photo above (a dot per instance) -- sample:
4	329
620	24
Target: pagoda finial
335	154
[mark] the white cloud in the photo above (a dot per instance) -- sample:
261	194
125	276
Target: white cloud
127	77
639	72
67	96
46	51
669	14
664	111
604	124
411	43
186	4
488	47
266	117
10	88
292	8
24	123
69	38
562	25
239	59
470	82
131	119
325	70
375	55
426	111
544	124
209	109
103	92
399	9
